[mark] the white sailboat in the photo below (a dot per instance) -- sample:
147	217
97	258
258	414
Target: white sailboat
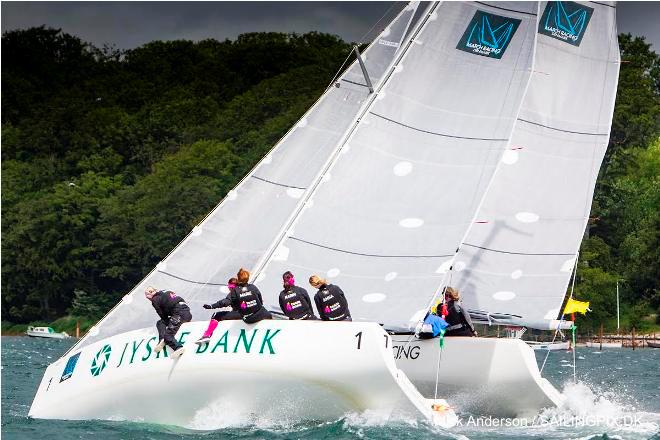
380	188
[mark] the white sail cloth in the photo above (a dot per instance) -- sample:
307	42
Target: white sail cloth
394	206
240	229
384	212
518	257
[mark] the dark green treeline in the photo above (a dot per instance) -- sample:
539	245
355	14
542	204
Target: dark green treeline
110	157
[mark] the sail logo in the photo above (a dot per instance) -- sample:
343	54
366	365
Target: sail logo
488	35
101	360
565	21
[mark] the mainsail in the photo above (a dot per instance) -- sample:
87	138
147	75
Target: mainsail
386	216
240	229
516	261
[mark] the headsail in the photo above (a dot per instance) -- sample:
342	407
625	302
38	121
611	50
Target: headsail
240	229
519	255
393	206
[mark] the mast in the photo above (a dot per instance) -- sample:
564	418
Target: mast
282	235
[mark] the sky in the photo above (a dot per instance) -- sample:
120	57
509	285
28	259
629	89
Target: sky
126	25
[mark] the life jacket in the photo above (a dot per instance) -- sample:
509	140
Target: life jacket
295	305
455	317
246	302
331	308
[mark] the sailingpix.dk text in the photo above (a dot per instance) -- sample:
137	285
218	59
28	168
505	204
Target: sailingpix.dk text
554	420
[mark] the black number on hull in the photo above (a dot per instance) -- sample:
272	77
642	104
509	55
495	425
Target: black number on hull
359	336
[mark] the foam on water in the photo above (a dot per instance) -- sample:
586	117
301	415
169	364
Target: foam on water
588	412
225	413
602	411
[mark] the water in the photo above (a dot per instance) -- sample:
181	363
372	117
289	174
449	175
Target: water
617	397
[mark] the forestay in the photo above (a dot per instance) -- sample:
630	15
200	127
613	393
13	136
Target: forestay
389	213
518	257
241	228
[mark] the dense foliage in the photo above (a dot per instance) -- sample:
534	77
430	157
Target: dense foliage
110	157
623	236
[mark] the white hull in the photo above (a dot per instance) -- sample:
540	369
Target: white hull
47	335
486	375
604	344
273	370
550	346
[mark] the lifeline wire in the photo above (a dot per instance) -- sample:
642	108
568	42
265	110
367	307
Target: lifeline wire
577	257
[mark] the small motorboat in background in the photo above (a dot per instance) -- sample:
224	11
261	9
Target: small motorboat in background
46	332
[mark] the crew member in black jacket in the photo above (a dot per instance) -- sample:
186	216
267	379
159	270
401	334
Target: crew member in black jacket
294	300
173	312
222	315
330	300
246	299
460	323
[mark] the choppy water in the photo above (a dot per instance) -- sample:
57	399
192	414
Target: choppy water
617	396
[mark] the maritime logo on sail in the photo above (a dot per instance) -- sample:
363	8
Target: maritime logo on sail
488	35
565	21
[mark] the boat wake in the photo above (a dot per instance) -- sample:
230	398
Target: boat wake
224	415
587	412
597	411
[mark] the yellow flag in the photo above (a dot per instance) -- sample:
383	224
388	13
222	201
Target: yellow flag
573	306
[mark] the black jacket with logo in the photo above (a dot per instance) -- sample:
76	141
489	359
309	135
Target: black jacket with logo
331	303
244	298
295	303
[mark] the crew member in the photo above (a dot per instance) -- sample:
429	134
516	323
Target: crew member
457	317
330	300
246	299
173	312
228	313
294	300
